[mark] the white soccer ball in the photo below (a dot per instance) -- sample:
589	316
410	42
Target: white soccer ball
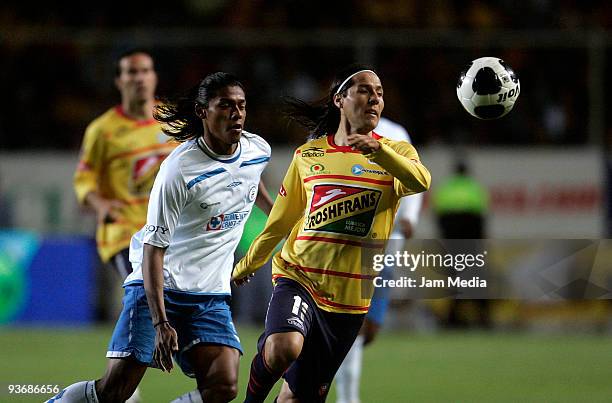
488	88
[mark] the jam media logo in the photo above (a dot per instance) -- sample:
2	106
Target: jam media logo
360	170
313	152
342	209
226	221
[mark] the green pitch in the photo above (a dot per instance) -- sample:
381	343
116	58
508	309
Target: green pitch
399	367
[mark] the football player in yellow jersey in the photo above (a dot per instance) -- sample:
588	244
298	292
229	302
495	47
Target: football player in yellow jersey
120	156
336	205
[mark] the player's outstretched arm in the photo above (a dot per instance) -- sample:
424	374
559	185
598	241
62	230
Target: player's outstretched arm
287	210
401	160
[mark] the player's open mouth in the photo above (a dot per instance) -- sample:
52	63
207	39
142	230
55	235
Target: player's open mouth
371	112
236	127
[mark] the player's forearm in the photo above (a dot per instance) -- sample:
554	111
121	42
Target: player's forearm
264	201
259	253
410	173
152	273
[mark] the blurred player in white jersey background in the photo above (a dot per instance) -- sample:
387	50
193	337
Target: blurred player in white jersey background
349	374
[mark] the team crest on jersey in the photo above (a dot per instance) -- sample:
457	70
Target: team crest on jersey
226	221
342	209
317	169
143	173
282	191
252	192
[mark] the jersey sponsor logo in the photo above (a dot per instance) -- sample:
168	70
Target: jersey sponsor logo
323	389
234	184
205	205
297	322
342	209
313	152
317	168
226	221
282	191
156	228
360	170
143	174
252	192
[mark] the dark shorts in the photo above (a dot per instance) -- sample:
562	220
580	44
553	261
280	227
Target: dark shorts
327	338
121	263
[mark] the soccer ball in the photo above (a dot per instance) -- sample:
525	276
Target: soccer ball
488	88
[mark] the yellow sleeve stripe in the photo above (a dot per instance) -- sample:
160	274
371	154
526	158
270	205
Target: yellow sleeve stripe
329	272
348	178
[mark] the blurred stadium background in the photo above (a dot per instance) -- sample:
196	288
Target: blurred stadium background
546	166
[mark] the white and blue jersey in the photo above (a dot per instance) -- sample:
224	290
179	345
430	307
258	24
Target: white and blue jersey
197	210
409	209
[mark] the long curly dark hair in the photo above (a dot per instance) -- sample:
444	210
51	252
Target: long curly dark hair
178	116
321	117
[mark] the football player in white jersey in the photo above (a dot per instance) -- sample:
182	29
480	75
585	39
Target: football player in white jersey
349	374
176	299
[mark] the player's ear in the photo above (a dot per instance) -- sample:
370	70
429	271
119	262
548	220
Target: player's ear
200	111
338	100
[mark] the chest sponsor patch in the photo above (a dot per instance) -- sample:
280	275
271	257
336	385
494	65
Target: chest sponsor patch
226	221
143	173
342	209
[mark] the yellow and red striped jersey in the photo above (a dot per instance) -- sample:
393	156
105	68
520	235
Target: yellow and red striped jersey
119	159
335	207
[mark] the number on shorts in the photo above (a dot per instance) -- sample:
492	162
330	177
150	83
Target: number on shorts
297	304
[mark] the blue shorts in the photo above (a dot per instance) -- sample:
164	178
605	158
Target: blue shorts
196	318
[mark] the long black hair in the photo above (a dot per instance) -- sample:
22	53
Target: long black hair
178	116
321	117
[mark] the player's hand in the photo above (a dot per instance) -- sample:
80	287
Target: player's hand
363	142
243	280
109	210
369	330
166	342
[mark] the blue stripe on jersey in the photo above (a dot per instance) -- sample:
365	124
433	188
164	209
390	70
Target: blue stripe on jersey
203	176
254	161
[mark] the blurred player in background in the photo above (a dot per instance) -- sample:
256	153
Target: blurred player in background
460	204
120	156
176	299
337	200
406	219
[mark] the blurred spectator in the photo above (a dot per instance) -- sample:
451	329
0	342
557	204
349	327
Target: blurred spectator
460	204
